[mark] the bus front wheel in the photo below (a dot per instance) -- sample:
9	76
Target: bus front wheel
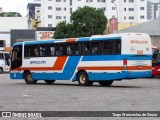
82	79
49	81
1	70
106	83
28	78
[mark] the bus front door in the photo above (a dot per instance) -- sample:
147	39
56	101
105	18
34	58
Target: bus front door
7	61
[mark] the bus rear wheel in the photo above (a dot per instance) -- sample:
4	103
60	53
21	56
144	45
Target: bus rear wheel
106	83
49	81
28	78
83	80
1	70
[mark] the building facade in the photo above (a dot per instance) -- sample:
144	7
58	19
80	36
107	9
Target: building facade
153	9
34	14
128	11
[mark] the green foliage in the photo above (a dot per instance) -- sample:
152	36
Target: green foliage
63	30
10	14
86	21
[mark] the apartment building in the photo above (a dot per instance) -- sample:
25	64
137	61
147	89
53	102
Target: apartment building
153	9
128	11
133	11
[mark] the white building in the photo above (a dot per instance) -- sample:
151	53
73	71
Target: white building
8	23
55	11
133	11
153	9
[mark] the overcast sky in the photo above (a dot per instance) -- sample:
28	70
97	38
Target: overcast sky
15	6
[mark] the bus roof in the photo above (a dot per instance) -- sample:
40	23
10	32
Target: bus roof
81	39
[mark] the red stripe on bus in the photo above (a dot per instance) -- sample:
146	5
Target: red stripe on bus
100	68
59	63
116	68
71	40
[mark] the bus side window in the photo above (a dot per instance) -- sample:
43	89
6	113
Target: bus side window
95	48
106	47
86	48
52	51
116	49
69	52
75	49
36	51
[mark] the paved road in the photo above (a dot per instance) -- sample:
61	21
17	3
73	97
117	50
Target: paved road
126	95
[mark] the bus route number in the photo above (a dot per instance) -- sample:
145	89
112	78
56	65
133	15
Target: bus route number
140	52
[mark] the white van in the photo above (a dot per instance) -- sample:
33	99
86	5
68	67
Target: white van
4	61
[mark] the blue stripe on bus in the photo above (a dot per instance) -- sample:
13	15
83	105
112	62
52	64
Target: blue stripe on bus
83	39
118	76
39	42
67	73
115	57
107	38
92	76
18	43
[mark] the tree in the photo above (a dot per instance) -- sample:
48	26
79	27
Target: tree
10	14
89	21
63	30
86	21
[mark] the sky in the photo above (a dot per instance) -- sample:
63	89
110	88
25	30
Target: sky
19	6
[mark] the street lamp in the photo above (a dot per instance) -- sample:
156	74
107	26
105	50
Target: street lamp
113	1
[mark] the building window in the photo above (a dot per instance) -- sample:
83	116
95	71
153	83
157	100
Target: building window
89	0
131	18
113	8
124	0
70	10
131	1
49	16
65	9
64	17
131	9
58	17
49	7
79	0
49	25
141	8
142	0
38	11
141	17
58	9
103	8
58	0
124	17
64	0
125	9
49	0
98	1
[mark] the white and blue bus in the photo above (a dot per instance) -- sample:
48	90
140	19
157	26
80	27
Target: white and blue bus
102	59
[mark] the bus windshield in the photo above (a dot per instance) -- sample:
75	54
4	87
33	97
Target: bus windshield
16	60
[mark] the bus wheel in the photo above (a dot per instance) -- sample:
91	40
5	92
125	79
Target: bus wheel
28	78
106	83
49	81
1	70
82	79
